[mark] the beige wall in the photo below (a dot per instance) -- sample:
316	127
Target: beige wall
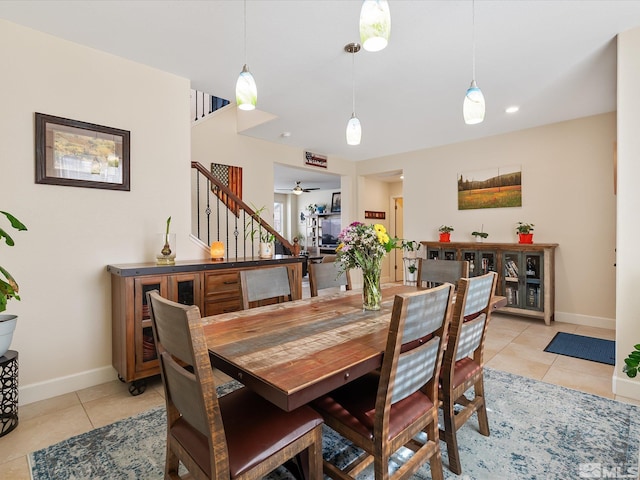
567	176
64	327
628	226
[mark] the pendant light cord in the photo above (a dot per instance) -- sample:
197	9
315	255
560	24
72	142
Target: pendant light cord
245	32
353	80
473	38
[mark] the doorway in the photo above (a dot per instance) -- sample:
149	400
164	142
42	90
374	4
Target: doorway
398	225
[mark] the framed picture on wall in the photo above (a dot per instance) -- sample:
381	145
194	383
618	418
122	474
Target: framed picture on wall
79	154
335	203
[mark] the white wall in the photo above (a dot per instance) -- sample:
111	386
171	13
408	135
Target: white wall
64	328
567	184
628	270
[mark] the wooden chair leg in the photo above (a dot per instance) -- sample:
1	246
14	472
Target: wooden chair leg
483	420
171	464
435	462
450	438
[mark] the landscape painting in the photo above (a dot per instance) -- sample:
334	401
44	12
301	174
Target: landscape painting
499	187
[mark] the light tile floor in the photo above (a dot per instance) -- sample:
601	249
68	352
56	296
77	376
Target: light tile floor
514	344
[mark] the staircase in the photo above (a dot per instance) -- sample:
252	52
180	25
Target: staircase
219	215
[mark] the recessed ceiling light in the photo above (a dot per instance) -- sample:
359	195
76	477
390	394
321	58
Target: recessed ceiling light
401	177
512	109
285	134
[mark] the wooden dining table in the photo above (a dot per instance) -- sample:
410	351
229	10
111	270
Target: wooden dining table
292	353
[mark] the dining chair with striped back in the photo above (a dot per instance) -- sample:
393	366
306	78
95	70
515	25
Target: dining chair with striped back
237	436
388	409
264	286
327	275
435	272
463	365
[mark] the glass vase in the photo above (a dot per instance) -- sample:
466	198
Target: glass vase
371	293
166	249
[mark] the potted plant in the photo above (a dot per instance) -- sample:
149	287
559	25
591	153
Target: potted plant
632	362
445	233
524	232
266	238
480	235
412	270
311	208
320	208
411	248
8	289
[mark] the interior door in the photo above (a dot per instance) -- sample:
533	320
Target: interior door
398	222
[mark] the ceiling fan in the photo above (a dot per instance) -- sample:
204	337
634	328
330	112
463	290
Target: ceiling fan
298	190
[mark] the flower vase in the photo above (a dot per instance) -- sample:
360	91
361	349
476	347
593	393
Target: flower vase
371	293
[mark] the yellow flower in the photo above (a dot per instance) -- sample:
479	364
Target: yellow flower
339	247
383	238
379	228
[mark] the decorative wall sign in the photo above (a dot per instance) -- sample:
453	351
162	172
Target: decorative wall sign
80	154
315	160
376	215
491	188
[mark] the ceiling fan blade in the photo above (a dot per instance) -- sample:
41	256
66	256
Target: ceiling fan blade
309	189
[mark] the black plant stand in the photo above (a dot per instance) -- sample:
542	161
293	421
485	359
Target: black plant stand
8	392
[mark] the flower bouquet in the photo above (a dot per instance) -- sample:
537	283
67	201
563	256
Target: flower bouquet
364	246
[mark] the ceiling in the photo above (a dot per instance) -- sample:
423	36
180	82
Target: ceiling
554	59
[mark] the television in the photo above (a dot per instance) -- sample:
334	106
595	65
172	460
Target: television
331	227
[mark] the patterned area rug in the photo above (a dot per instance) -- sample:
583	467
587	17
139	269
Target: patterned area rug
538	431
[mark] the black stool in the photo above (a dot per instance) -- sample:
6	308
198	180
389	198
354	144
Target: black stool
8	392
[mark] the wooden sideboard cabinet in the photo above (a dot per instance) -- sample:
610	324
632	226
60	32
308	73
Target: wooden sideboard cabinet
213	286
525	272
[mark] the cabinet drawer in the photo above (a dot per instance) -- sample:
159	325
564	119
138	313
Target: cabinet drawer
220	283
215	307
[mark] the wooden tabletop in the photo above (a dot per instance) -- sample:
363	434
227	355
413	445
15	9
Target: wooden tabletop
294	352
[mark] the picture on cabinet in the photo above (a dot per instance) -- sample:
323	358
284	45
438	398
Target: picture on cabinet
336	203
499	187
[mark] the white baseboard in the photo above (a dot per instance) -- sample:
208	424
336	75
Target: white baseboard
626	387
587	320
61	385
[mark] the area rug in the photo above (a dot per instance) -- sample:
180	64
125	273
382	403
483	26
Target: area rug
587	348
538	431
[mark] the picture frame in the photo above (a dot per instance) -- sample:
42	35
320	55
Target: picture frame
336	203
80	154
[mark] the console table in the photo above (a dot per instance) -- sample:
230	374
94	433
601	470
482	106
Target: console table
214	286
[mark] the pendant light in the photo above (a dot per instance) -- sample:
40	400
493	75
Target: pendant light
246	90
354	130
375	25
473	107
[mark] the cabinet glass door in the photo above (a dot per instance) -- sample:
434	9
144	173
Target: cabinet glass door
511	278
471	256
433	253
487	262
534	295
144	344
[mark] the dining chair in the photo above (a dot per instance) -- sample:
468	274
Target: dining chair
435	272
384	410
463	365
264	286
327	275
237	436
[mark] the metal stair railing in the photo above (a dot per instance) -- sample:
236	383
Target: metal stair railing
220	215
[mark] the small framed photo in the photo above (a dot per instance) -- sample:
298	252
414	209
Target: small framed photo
335	203
80	154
